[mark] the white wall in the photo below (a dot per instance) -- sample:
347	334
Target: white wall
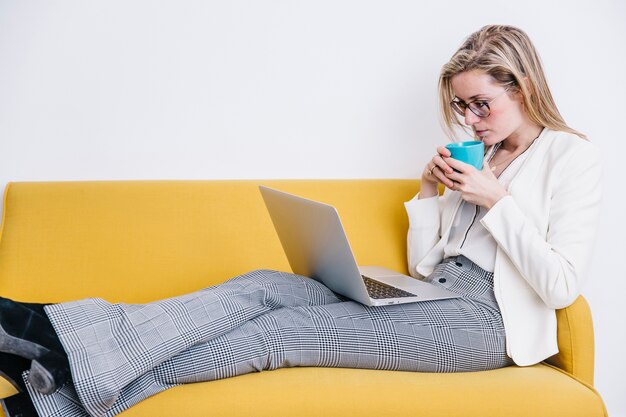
141	89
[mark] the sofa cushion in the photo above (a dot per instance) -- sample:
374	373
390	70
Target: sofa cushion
540	390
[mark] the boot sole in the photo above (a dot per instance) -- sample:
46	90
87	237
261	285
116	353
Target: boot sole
41	379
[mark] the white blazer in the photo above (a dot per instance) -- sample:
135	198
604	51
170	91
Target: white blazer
545	231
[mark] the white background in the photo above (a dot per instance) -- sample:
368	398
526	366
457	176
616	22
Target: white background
141	89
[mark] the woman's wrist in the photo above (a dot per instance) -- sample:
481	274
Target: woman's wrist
497	197
428	189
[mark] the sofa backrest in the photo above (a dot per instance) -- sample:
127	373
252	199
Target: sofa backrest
136	241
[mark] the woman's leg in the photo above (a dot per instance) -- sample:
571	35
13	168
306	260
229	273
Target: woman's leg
464	334
111	345
435	336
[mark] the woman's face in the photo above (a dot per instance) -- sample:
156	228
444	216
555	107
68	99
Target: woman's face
506	119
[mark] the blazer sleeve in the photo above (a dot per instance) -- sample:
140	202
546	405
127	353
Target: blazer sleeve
424	229
554	263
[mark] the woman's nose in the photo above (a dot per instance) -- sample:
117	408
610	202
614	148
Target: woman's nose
470	117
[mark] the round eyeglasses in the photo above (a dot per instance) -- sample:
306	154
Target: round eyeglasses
479	107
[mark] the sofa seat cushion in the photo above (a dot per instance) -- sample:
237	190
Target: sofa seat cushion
540	390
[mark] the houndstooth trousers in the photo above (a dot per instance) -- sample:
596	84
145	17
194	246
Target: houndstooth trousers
120	354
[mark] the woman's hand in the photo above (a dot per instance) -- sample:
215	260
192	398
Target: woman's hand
434	173
477	187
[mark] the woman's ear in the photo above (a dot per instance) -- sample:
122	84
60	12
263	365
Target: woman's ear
528	86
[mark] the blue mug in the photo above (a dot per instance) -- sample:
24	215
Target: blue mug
472	152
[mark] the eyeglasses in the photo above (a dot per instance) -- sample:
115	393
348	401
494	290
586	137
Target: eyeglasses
479	107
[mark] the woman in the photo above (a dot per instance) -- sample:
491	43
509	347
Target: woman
513	240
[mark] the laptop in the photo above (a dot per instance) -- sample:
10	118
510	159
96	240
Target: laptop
316	246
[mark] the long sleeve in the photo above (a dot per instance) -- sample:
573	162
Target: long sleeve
555	260
424	229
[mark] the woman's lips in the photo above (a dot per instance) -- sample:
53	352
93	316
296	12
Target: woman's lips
481	133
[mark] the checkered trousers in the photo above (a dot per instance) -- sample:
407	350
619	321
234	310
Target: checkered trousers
121	354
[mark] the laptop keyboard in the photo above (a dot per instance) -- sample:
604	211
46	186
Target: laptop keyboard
378	290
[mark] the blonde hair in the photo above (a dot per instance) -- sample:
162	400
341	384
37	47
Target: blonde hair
509	57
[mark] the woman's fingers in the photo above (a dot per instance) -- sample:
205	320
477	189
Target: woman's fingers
456	165
458	171
443	151
440	163
438	160
442	176
439	169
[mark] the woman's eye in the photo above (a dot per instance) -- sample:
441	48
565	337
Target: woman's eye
480	104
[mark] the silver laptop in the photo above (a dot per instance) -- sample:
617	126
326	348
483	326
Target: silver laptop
316	246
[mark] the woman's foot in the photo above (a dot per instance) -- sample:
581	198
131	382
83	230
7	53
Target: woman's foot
19	405
11	368
26	333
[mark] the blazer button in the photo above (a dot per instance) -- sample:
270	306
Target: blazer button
442	280
458	264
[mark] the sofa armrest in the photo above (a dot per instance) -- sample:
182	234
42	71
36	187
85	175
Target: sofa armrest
576	343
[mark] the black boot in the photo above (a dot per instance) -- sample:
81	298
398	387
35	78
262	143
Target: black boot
36	307
11	368
25	333
19	405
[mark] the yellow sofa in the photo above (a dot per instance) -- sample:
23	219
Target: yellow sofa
136	241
